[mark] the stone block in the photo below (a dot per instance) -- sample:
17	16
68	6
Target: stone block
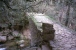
48	32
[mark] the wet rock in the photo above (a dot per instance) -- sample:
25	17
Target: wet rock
3	38
10	37
2	48
21	43
15	33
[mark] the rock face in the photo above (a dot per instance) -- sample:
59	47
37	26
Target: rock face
35	35
41	38
48	32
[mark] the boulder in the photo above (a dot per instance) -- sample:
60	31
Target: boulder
10	37
48	32
35	33
3	38
47	28
22	43
15	33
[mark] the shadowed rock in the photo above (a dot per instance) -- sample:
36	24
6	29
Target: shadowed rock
48	32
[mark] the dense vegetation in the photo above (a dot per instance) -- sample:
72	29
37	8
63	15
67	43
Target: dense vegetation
18	23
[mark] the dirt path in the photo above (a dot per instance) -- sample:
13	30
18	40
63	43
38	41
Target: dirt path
64	39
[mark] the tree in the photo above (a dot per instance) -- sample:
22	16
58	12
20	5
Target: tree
68	3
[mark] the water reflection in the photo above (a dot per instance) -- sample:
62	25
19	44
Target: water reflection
2	48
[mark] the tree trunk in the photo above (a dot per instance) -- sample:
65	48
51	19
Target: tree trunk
67	15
